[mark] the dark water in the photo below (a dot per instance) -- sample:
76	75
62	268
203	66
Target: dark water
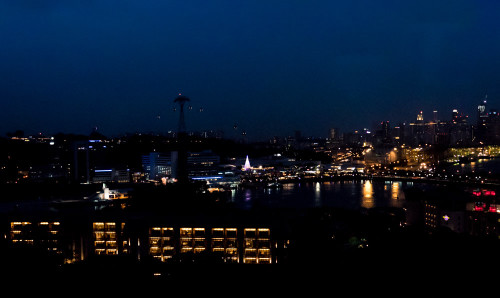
341	194
350	194
480	166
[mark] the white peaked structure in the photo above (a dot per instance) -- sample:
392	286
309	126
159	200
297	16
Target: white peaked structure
247	165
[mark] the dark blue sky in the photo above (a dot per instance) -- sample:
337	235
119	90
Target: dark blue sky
273	67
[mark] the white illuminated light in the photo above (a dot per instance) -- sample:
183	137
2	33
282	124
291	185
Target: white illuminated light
247	165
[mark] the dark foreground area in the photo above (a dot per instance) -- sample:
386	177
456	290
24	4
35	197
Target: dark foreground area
339	250
402	259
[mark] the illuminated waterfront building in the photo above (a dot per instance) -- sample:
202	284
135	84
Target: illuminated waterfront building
157	165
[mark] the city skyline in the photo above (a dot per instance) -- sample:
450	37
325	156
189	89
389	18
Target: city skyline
266	68
236	133
164	144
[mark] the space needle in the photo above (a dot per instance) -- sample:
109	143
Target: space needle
180	160
181	100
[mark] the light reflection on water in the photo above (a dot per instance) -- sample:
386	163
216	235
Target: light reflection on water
367	201
317	194
342	194
481	166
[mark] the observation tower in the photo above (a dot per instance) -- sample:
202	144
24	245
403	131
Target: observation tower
181	100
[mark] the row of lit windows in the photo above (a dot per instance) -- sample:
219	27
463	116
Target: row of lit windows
108	239
261	233
25	228
256	243
41	233
106	226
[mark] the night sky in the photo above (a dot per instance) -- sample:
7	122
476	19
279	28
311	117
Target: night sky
271	67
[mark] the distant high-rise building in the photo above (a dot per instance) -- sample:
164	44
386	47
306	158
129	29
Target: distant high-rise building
482	114
420	117
460	132
385	128
333	133
435	116
454	115
492	124
382	134
81	162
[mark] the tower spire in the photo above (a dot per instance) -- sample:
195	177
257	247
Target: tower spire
247	164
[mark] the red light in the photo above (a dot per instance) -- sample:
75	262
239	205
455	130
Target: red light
492	193
492	209
487	193
478	208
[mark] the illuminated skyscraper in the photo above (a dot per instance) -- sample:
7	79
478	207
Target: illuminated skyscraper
435	116
420	117
454	115
482	114
333	133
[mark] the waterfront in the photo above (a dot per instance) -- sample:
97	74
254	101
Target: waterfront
480	166
349	194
